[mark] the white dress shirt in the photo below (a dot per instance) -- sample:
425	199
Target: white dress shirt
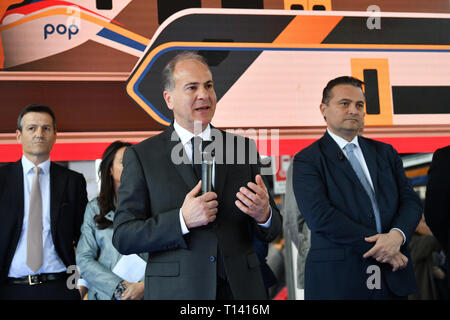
359	155
51	262
185	137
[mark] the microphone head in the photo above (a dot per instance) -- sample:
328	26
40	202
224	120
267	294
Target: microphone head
205	144
340	155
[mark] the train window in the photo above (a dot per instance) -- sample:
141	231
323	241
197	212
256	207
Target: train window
249	4
371	91
318	7
104	4
167	8
296	5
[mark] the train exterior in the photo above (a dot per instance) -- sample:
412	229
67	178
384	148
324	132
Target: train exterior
98	65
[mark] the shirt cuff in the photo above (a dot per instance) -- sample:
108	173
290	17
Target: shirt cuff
404	237
82	282
268	222
184	228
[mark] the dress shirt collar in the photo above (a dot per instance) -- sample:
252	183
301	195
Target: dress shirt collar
341	141
186	135
28	165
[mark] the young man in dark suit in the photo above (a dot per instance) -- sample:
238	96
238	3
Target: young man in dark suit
199	245
358	203
41	211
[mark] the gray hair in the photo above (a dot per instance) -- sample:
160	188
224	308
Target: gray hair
167	73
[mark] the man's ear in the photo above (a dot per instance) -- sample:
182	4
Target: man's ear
19	136
168	98
322	110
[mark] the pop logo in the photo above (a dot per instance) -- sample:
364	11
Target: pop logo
61	29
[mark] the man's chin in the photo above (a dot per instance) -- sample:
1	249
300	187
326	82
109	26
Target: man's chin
203	121
40	152
353	126
350	131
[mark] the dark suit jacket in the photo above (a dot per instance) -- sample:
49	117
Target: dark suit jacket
339	213
437	203
68	200
151	193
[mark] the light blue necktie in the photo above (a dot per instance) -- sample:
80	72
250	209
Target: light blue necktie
365	183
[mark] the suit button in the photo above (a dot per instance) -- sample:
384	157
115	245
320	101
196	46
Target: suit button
212	258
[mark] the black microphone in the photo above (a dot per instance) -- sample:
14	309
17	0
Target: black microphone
207	166
340	155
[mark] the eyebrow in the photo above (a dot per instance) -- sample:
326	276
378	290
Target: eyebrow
196	83
191	83
37	125
347	99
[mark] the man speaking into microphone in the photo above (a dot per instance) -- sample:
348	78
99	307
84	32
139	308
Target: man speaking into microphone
199	244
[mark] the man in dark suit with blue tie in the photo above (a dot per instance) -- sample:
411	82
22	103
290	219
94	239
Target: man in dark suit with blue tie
358	203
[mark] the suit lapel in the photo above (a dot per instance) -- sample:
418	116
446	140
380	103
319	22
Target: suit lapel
17	194
57	189
370	155
220	166
184	169
335	155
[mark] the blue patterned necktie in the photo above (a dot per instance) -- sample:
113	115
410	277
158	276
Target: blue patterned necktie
349	148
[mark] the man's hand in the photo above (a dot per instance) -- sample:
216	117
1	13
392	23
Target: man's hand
83	290
254	202
387	249
199	211
399	261
134	291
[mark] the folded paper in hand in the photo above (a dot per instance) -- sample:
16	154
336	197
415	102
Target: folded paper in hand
130	268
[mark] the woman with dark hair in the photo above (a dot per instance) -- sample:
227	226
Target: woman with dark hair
96	256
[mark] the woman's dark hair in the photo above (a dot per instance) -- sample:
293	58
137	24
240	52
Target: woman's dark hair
106	197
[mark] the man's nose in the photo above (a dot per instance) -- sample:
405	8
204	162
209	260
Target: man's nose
40	131
203	93
353	109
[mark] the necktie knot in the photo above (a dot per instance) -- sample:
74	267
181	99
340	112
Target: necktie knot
349	147
37	170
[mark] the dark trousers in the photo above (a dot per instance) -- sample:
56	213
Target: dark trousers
50	290
223	290
385	293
